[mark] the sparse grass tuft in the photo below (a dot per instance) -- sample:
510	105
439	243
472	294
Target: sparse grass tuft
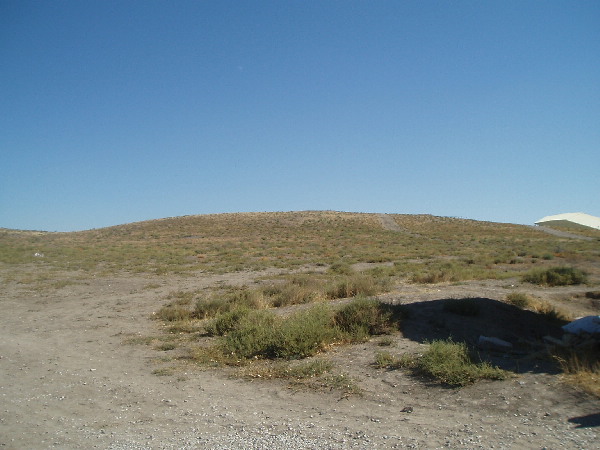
552	313
166	346
284	369
164	371
298	290
309	369
173	313
357	284
385	360
450	363
386	341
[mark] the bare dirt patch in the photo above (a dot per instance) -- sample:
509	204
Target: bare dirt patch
71	378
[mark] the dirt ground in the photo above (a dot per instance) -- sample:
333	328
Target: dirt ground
70	379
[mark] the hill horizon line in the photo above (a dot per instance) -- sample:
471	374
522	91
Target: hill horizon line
250	213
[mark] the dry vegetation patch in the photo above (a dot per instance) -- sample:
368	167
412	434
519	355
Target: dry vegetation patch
292	315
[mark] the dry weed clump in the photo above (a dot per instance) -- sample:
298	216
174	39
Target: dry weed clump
547	309
581	367
519	299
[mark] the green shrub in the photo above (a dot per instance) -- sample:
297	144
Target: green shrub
305	333
463	306
261	334
363	317
253	336
225	322
556	276
449	363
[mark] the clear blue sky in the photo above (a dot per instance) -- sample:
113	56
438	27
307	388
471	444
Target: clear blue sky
118	111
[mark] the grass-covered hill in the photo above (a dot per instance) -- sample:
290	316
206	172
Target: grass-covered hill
423	248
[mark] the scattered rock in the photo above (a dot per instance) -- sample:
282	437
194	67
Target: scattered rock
493	343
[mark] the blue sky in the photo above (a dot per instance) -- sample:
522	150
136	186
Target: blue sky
118	111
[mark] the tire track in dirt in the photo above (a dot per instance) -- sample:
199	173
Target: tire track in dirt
388	223
563	234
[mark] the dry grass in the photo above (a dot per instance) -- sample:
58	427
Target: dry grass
433	249
445	361
550	311
581	367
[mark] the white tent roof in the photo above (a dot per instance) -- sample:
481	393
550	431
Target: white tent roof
579	218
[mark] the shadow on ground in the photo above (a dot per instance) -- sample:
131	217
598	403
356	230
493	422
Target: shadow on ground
434	319
589	421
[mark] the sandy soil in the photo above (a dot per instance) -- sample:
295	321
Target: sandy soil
69	379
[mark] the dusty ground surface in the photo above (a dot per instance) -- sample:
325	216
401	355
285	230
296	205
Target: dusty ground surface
70	379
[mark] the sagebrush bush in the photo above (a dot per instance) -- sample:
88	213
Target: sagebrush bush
211	307
253	336
262	334
556	276
226	321
305	333
364	317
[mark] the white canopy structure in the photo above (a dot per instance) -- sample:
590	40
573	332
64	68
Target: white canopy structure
571	220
